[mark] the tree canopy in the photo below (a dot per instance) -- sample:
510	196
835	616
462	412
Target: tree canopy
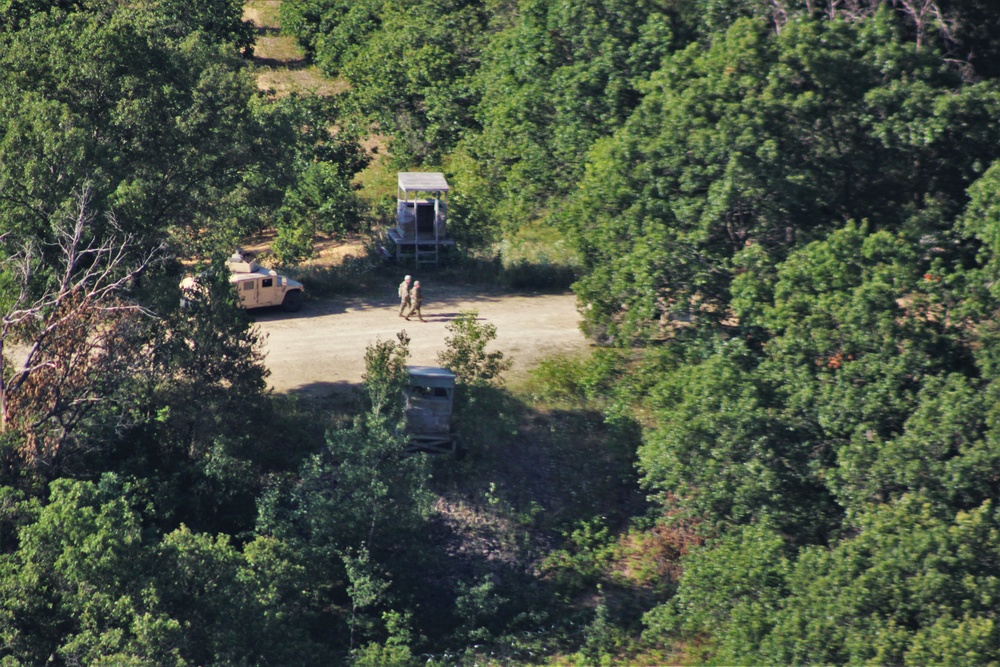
786	220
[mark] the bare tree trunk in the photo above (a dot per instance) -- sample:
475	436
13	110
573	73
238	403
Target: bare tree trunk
926	14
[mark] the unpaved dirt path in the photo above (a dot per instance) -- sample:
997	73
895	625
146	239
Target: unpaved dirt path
320	349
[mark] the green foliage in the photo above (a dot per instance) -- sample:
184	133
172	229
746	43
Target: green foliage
366	588
551	467
231	607
590	377
318	193
408	63
219	19
77	574
353	276
603	640
205	405
857	331
159	123
557	77
395	652
321	201
222	19
88	584
161	120
585	559
722	446
148	109
466	354
791	206
546	276
377	655
729	593
362	488
912	581
759	144
350	511
945	450
385	376
469	202
359	493
477	605
982	220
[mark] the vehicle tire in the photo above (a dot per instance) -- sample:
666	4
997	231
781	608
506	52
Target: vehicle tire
292	302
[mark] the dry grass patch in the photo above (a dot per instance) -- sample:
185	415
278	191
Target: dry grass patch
279	51
329	250
263	13
281	64
308	81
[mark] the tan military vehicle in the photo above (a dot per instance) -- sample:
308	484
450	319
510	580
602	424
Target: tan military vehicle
257	286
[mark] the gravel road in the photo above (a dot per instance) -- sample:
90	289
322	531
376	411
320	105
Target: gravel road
321	348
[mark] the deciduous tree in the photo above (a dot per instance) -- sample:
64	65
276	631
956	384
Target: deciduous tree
71	325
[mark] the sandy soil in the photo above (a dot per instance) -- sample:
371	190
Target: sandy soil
320	349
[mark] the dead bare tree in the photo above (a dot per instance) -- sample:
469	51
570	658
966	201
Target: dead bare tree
779	14
66	335
925	15
851	10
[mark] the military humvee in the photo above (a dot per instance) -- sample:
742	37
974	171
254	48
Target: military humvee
257	286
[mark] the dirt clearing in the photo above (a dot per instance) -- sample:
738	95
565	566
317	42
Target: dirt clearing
320	350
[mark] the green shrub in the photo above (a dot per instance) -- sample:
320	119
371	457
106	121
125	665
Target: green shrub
354	275
578	378
544	276
466	355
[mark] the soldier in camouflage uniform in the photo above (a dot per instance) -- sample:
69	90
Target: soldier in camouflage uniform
404	296
416	298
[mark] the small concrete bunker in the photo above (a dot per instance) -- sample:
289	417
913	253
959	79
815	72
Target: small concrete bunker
421	232
430	395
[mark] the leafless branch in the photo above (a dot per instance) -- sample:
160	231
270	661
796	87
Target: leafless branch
779	14
68	327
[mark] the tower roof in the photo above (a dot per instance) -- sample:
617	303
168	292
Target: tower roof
422	181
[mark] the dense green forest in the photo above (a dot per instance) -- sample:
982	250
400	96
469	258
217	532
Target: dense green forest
781	221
